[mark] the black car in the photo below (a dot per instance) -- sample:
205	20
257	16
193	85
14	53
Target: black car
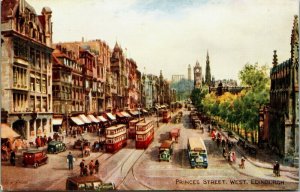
56	147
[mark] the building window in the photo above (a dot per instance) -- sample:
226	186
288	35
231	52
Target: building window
32	104
44	84
38	84
38	59
19	77
38	104
32	57
44	105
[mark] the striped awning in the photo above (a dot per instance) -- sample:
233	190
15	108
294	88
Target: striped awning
7	131
111	116
77	121
125	114
84	119
119	114
101	118
57	121
93	118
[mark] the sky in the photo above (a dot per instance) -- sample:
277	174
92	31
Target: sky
169	35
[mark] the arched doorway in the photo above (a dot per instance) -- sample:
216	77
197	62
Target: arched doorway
20	127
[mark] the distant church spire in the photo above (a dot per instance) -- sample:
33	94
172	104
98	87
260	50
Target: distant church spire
207	71
275	60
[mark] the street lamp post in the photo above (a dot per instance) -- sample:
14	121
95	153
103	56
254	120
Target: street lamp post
157	118
67	117
139	108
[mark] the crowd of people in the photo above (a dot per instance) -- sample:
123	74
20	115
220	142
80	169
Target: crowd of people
90	168
227	145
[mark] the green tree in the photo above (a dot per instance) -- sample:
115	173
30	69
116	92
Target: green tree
197	97
256	78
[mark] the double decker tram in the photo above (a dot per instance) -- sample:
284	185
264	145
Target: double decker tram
144	134
115	138
132	125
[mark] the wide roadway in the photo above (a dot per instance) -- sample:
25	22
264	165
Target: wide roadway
149	173
130	168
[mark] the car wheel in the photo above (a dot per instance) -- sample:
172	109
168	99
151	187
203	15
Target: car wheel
35	165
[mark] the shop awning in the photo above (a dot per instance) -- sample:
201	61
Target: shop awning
93	118
84	118
101	118
135	112
8	132
57	121
125	114
111	116
119	114
77	121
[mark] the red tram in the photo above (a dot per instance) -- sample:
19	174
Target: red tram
132	124
115	138
144	134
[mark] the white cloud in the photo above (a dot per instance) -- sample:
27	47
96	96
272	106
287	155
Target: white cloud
234	32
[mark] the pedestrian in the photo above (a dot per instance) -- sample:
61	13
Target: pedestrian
45	139
13	158
224	152
97	164
42	141
276	169
81	165
70	160
233	157
49	139
223	142
85	171
228	157
91	167
242	165
38	142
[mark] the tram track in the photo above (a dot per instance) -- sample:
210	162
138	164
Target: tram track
76	169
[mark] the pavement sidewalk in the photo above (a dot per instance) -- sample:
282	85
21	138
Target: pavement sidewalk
292	172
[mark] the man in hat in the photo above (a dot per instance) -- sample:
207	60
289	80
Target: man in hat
70	160
81	165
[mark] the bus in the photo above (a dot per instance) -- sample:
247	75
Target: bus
131	125
165	151
115	138
197	152
174	134
144	134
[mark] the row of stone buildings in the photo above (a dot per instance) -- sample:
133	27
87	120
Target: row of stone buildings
42	81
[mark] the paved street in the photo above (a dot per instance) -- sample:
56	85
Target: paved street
140	169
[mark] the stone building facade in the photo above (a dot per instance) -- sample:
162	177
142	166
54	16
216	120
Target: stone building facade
284	100
26	68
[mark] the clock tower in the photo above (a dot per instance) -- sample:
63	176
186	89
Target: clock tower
197	76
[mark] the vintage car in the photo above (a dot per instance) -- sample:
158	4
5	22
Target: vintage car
174	134
88	183
165	151
79	143
56	147
35	158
